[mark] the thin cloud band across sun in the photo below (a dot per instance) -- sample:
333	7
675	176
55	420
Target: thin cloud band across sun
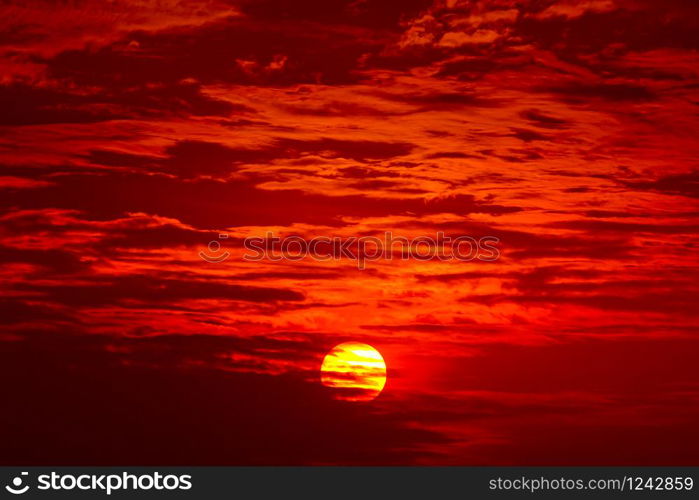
356	371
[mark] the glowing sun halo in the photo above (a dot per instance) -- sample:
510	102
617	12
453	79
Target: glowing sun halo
357	371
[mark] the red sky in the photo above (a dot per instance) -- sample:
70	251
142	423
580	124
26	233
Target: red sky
132	133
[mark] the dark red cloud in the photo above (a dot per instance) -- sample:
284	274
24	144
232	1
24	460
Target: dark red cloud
28	105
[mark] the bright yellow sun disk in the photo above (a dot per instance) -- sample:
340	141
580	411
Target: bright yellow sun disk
356	370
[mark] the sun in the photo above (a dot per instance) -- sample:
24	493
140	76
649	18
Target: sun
356	371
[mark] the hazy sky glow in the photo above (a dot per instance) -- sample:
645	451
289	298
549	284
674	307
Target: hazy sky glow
133	133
